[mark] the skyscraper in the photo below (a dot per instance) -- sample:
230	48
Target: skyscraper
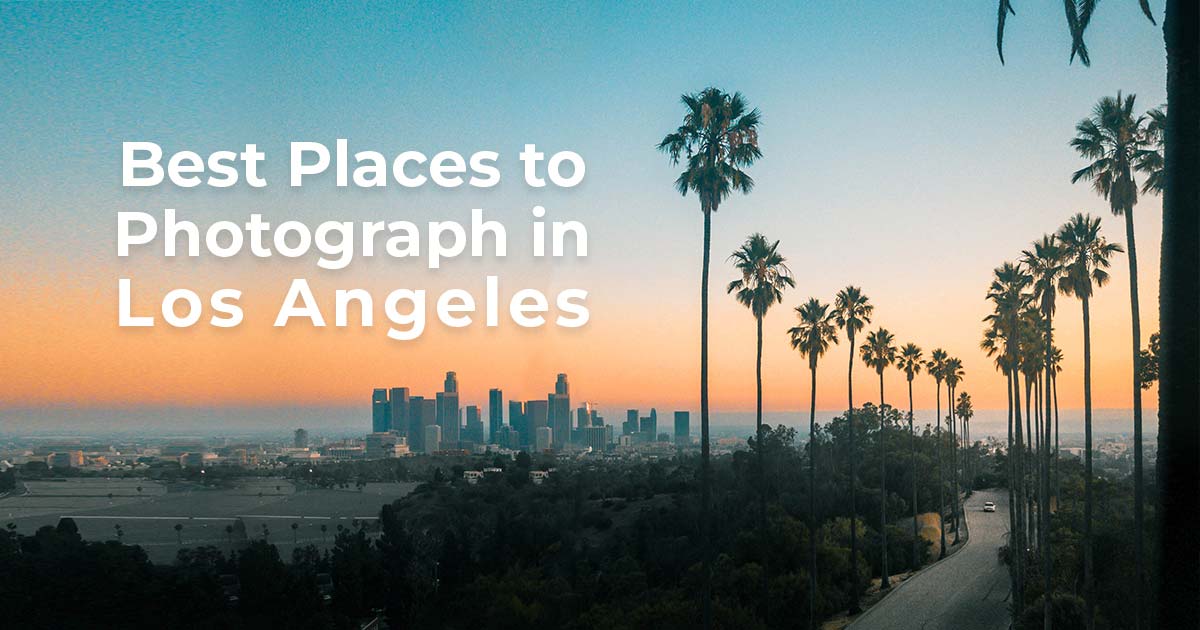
518	422
536	417
649	427
381	416
422	412
451	383
300	439
683	429
544	439
432	438
474	425
398	402
560	411
631	422
495	414
448	418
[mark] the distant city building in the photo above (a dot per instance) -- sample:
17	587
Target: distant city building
630	425
66	459
544	438
381	415
433	438
386	445
300	438
474	425
448	414
400	408
422	412
518	422
451	384
596	438
537	416
683	428
649	427
495	413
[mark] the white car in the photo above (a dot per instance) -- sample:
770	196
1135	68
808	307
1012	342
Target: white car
989	506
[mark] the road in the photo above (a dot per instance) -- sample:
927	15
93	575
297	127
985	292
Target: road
967	591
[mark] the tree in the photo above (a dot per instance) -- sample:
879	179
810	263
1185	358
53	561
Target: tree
1148	361
1115	141
953	374
811	337
965	411
716	141
1088	255
1179	299
909	362
1045	262
936	365
852	310
764	276
879	352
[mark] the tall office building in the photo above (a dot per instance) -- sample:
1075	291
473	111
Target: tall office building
422	412
432	438
381	416
474	425
544	439
560	411
398	402
495	414
630	426
518	422
448	418
300	439
683	429
537	413
649	427
596	438
451	384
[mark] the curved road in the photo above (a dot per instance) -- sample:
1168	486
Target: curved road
967	591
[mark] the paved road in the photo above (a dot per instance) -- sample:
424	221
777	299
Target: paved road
967	591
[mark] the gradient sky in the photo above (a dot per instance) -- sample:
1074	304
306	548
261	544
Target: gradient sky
900	156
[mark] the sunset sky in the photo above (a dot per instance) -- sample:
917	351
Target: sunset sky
899	156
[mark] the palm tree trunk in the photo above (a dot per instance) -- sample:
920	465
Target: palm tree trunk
1047	556
854	607
953	461
1019	456
812	499
1028	457
1179	312
912	447
884	582
705	468
1089	587
762	469
1138	484
941	480
1012	490
1057	477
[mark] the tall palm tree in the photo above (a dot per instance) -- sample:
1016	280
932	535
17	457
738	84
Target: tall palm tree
1009	294
1150	159
879	352
1056	358
1088	254
716	141
1114	140
764	276
811	337
1045	262
936	365
966	411
852	311
1179	301
910	363
954	374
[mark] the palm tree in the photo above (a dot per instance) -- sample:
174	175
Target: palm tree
966	411
1056	358
1088	256
1114	141
852	310
878	352
1045	262
936	365
811	337
764	277
1150	159
716	141
909	362
1179	302
953	374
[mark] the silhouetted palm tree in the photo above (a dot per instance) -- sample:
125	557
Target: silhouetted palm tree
717	139
1088	254
764	277
811	337
879	352
1045	262
1115	140
910	363
852	310
953	374
1150	159
936	365
966	411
